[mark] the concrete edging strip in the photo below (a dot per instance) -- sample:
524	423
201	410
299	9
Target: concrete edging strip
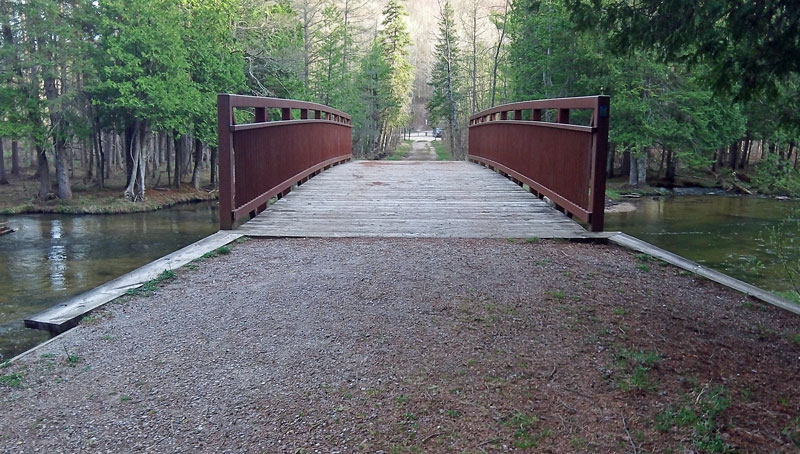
636	244
66	315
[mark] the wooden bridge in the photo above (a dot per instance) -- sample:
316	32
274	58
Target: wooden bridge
526	176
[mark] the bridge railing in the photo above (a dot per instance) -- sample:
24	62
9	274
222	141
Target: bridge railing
558	160
279	143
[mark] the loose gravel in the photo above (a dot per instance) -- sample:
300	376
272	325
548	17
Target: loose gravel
393	346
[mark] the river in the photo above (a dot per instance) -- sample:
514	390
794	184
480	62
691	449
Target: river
51	258
726	233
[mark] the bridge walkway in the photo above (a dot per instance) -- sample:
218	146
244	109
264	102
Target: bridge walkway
411	199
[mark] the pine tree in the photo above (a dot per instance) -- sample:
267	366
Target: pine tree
445	79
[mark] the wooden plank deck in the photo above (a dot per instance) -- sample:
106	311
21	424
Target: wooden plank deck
411	199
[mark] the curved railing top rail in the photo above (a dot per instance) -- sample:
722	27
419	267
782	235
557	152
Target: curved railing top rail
265	158
580	102
562	161
256	102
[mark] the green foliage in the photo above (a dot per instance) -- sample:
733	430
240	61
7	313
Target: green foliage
717	32
777	176
700	414
446	99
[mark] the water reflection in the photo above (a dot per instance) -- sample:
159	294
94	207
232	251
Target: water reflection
53	257
726	233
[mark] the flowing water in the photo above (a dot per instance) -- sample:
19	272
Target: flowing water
726	233
51	258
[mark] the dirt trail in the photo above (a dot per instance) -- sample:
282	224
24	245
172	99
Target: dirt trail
421	150
415	346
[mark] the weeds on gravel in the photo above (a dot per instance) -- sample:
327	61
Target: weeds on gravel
792	431
152	285
402	399
13	380
699	413
71	359
637	365
526	435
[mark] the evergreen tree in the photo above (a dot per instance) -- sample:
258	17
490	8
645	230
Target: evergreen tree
446	80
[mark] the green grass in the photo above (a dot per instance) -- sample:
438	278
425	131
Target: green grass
637	366
526	435
152	285
558	294
699	413
790	295
13	380
402	399
441	151
402	150
613	194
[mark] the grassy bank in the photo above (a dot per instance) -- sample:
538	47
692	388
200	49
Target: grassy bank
441	151
20	196
402	150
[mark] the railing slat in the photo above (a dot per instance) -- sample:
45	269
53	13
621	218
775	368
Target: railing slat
265	159
564	162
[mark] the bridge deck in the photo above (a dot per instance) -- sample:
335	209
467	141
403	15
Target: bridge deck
411	199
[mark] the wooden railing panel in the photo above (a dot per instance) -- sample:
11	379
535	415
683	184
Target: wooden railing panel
563	162
264	159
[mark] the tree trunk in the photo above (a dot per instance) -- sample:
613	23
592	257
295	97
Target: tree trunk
168	151
671	166
612	149
43	170
128	150
734	155
178	145
64	191
3	176
497	53
626	163
213	161
198	159
14	158
633	174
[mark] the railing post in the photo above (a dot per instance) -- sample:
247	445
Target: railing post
286	114
261	115
226	170
563	116
599	157
536	115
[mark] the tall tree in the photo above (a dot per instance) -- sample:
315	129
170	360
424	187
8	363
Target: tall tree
446	81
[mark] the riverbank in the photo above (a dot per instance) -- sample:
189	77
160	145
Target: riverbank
19	197
416	346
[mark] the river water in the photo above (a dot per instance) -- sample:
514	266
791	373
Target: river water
51	258
726	233
54	257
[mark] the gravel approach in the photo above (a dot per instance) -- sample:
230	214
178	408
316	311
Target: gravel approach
408	345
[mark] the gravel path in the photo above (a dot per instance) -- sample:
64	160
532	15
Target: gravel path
421	150
334	346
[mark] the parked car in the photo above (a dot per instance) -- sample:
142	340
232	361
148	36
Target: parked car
437	133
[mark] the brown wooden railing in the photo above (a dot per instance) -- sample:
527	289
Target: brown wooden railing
558	160
265	159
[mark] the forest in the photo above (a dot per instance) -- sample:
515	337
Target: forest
123	91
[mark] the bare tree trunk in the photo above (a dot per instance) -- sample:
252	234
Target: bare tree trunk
64	191
43	170
213	164
14	158
198	160
178	145
3	176
497	53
